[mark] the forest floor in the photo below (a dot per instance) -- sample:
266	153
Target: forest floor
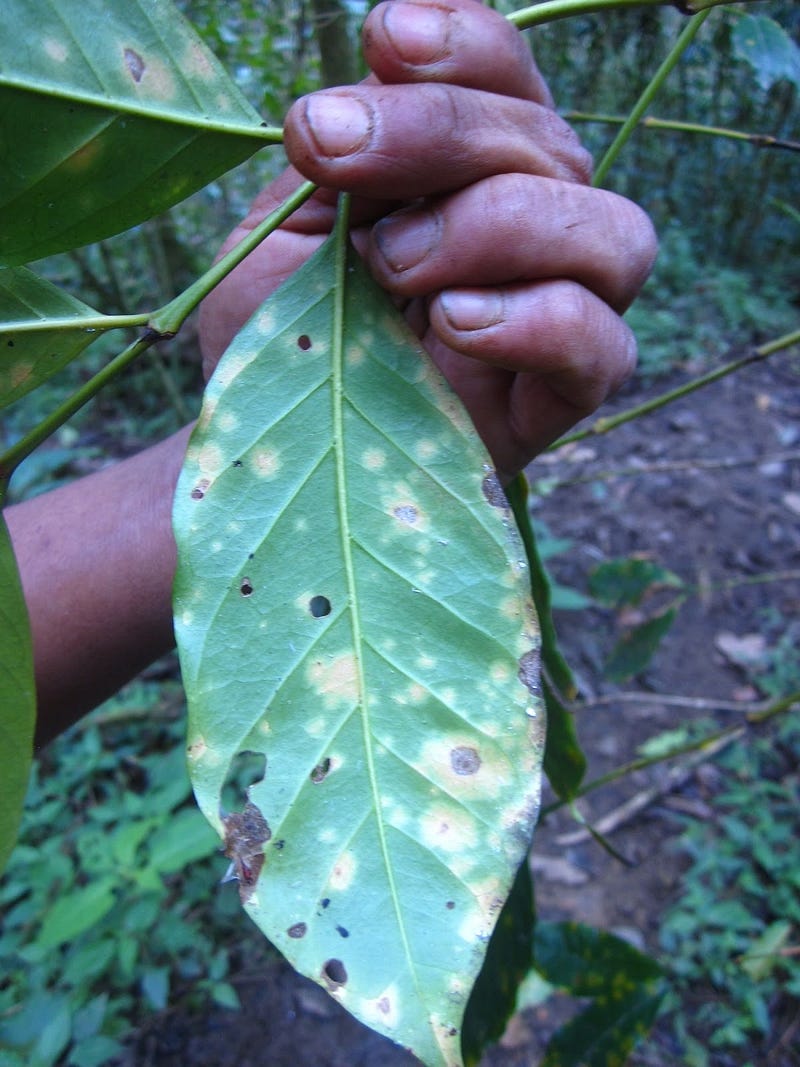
708	487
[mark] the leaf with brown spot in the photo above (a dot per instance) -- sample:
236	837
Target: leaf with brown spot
376	664
136	118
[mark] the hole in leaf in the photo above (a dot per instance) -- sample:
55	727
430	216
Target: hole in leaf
298	930
304	342
320	772
334	972
238	463
279	844
246	769
319	606
246	587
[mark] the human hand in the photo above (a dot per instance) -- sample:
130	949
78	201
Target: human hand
471	206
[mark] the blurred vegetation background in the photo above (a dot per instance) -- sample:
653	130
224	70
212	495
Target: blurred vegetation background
110	907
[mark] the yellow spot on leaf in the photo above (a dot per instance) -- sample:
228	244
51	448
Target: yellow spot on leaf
209	460
373	459
343	871
335	680
383	1010
426	449
56	50
265	462
355	355
446	827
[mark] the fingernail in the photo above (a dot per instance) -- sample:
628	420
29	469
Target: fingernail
404	242
339	124
419	34
467	310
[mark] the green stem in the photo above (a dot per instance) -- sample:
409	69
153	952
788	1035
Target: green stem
610	422
552	10
168	319
686	37
753	718
760	140
12	458
90	324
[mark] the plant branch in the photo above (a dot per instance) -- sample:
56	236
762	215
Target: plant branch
168	319
668	466
760	140
610	422
552	10
12	458
756	716
653	87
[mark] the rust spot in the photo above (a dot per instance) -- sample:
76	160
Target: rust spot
529	670
334	973
319	606
325	902
304	342
384	1005
465	760
246	587
450	905
320	772
238	463
493	491
245	833
297	931
135	64
199	490
342	932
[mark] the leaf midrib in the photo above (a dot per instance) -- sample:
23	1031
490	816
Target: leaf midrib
116	105
337	397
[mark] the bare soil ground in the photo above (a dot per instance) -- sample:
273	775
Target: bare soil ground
709	487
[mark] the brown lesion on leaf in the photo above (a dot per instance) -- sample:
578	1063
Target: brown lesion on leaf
135	64
530	670
465	760
297	931
200	489
321	771
245	834
493	491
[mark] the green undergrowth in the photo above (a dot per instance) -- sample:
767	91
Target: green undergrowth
692	312
732	936
112	904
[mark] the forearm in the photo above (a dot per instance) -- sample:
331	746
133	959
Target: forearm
97	559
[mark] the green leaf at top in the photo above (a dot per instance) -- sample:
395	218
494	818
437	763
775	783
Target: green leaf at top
109	114
17	697
768	48
352	603
41	329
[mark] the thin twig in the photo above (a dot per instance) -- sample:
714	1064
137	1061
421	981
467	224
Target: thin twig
759	140
672	466
610	422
